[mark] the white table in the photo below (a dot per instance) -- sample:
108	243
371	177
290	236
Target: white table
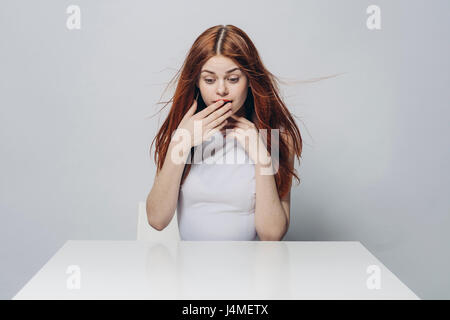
213	270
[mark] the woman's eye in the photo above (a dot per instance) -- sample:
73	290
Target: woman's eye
233	80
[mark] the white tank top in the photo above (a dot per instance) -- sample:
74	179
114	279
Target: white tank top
217	198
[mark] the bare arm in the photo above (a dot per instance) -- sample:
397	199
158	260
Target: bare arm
163	198
272	214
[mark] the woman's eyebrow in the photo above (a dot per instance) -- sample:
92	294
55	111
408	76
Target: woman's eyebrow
225	72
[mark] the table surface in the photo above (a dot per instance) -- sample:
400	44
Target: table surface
213	270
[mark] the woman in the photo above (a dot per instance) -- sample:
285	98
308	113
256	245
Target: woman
217	201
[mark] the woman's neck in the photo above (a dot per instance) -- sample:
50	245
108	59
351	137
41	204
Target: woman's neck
241	113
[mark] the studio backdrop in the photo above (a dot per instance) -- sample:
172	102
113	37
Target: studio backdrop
77	99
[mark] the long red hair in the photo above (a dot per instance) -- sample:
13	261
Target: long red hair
263	98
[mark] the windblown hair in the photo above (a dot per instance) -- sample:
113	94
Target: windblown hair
263	98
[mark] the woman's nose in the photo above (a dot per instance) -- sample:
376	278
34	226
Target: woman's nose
222	90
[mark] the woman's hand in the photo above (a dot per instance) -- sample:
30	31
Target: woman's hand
245	130
196	128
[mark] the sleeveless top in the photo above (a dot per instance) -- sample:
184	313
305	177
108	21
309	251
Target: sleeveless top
217	199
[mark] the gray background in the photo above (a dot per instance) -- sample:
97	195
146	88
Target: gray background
75	132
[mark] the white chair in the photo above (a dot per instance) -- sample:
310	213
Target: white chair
146	232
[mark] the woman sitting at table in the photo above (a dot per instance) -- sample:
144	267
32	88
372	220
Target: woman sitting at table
226	102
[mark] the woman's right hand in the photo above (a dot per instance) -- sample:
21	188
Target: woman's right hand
211	119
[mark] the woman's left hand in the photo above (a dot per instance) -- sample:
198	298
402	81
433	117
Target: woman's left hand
255	147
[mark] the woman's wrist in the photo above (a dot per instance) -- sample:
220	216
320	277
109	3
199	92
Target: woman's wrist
178	151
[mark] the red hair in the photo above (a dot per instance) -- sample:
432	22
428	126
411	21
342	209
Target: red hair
263	98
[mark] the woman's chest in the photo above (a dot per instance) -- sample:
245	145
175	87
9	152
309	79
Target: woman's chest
232	184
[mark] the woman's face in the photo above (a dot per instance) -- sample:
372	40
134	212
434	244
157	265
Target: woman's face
220	78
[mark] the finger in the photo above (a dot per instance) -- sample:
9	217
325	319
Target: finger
241	125
193	107
191	110
241	133
205	112
213	131
225	109
242	119
234	134
237	118
218	119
